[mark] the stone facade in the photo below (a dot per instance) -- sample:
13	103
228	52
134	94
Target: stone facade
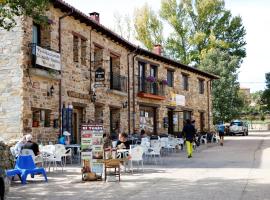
27	104
11	73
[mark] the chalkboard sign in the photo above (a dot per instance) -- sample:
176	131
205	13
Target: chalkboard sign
100	75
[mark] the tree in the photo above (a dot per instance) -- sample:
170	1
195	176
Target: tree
265	99
199	26
207	36
148	28
227	104
123	26
9	9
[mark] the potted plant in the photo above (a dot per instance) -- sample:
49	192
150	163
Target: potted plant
151	79
163	82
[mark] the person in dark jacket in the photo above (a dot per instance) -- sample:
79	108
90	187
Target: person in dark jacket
189	132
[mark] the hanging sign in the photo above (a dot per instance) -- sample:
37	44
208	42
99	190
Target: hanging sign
47	58
100	75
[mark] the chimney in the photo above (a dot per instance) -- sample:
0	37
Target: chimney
94	16
157	49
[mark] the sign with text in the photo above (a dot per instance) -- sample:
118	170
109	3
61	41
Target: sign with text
92	146
180	100
100	75
47	58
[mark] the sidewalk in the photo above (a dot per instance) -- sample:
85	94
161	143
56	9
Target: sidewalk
68	185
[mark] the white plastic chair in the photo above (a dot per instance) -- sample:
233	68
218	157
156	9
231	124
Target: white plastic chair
61	150
215	139
136	154
154	151
203	139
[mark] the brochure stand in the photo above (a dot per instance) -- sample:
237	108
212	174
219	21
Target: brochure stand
92	151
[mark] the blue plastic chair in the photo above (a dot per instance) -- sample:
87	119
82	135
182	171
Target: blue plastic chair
25	166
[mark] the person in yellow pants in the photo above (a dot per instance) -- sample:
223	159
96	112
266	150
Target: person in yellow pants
189	132
189	148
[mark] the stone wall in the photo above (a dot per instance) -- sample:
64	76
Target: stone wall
77	76
11	74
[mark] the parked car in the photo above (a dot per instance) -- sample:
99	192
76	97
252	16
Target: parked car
238	127
4	184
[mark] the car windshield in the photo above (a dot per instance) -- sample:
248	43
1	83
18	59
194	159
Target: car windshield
237	123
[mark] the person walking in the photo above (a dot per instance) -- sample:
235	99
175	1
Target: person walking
221	132
189	132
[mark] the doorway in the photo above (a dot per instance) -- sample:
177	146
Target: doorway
114	123
77	120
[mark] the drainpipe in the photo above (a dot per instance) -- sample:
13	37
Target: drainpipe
129	88
208	102
61	74
133	74
90	61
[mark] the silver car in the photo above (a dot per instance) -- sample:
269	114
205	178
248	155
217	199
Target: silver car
238	127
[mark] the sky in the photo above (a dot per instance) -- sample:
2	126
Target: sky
256	19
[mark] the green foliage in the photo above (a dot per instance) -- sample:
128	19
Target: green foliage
199	26
265	99
206	35
148	28
9	9
227	104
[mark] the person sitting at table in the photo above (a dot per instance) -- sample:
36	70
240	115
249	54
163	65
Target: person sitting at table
123	142
18	146
143	134
31	145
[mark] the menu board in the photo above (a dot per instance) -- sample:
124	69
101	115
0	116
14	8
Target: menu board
92	147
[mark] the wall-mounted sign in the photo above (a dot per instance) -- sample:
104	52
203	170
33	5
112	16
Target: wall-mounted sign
47	58
78	95
100	75
177	100
180	100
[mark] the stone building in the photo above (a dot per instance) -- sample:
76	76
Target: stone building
73	70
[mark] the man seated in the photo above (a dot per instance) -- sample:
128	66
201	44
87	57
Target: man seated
123	142
31	145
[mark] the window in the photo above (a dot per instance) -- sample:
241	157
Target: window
98	57
187	115
185	81
170	78
141	76
41	117
83	52
153	86
201	86
36	34
75	48
153	71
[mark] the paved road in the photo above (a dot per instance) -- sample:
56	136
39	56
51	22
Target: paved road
240	170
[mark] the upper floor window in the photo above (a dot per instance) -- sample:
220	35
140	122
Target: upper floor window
36	34
170	78
185	81
98	57
142	74
83	51
201	86
75	48
153	71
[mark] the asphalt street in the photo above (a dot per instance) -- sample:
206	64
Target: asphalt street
239	170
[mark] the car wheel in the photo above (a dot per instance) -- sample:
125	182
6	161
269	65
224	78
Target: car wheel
2	189
244	133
